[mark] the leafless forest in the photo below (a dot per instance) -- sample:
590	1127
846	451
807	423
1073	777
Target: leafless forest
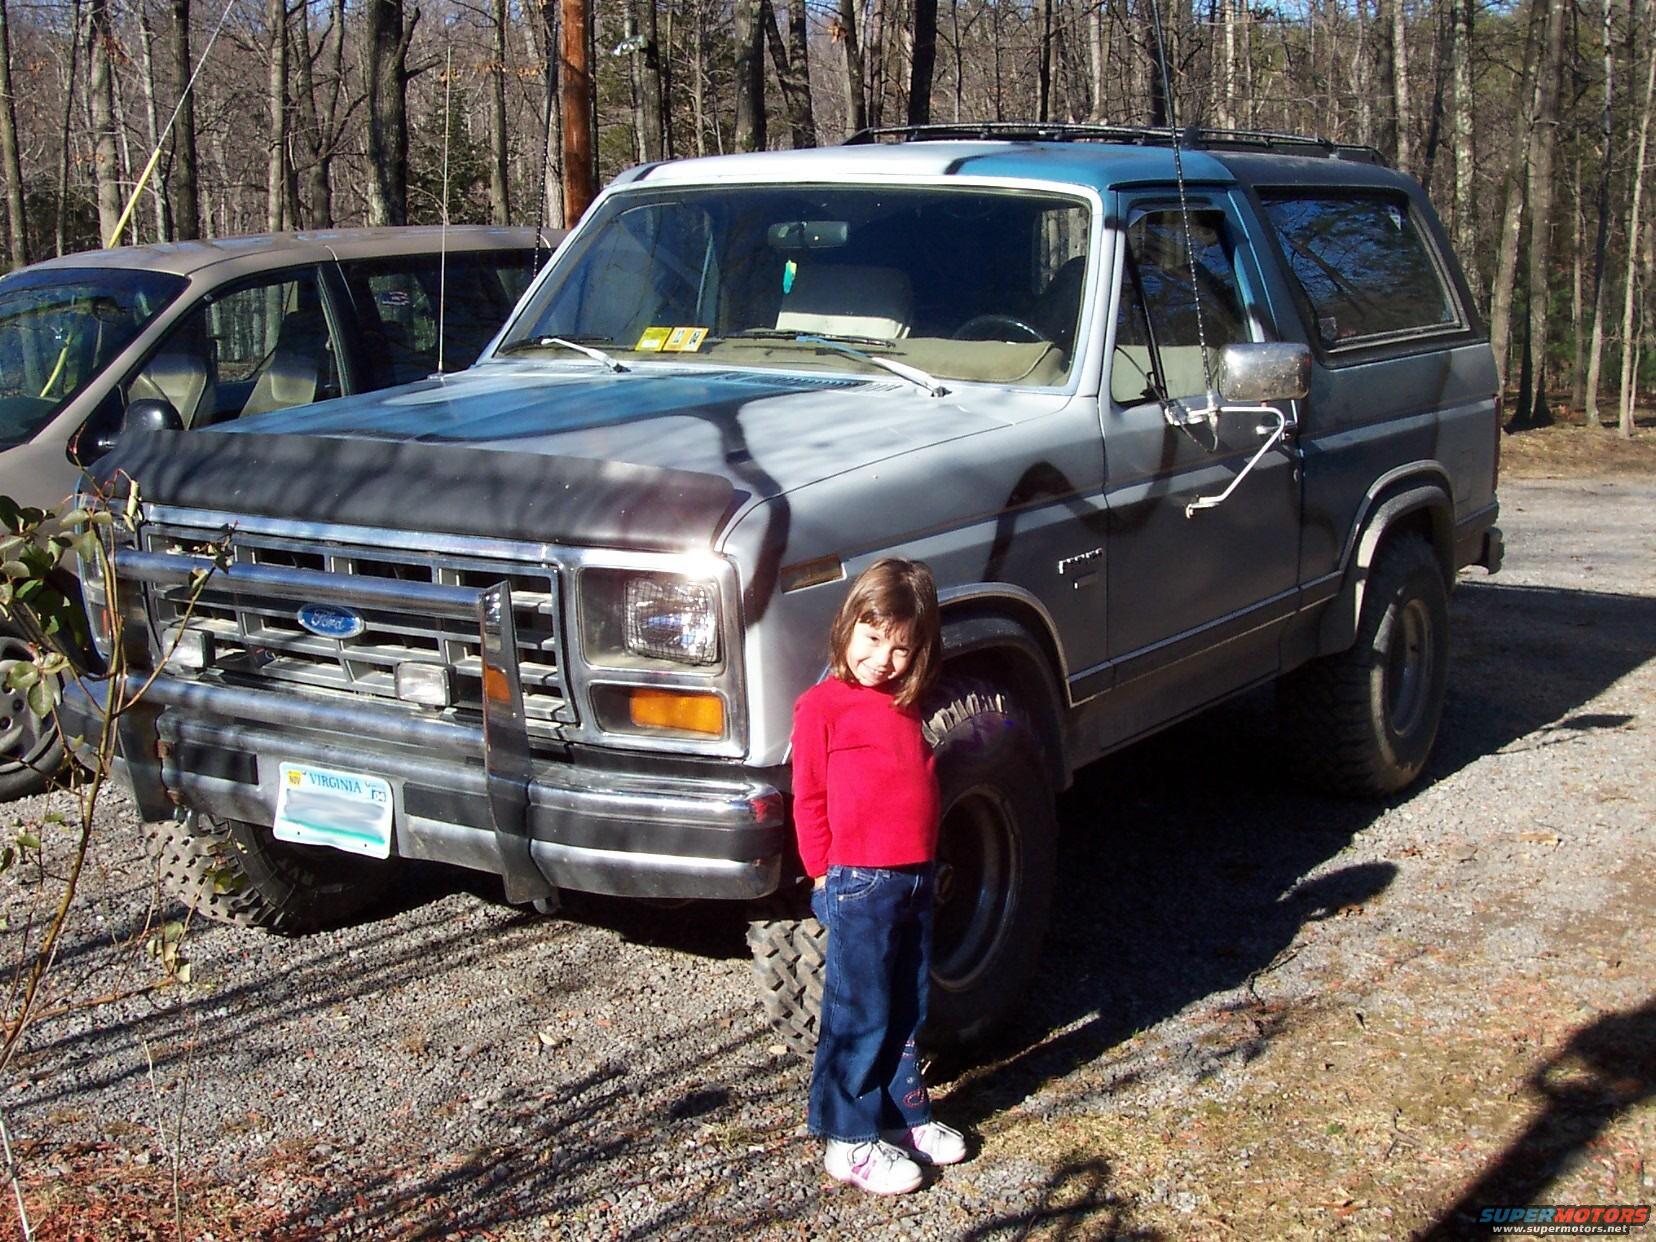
1528	123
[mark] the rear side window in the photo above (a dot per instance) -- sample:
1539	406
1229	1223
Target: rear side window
1366	269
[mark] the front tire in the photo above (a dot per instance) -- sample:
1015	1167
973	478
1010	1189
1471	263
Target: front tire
1363	721
236	872
994	882
31	748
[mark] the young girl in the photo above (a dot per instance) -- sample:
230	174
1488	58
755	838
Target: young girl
866	812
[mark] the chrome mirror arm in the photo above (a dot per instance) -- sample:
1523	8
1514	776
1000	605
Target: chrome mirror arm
1271	441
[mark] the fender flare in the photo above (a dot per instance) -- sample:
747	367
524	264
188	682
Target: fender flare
1419	493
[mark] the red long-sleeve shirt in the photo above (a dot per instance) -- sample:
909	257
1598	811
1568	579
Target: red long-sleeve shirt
864	785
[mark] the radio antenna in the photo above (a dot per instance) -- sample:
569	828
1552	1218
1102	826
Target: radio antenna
442	255
1171	104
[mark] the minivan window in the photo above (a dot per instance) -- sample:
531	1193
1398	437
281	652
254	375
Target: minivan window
397	300
59	327
1364	266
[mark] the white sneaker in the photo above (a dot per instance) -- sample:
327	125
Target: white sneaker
876	1167
932	1143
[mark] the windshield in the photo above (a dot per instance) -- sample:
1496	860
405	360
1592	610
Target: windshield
962	283
59	327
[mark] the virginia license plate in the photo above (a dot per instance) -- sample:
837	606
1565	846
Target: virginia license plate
345	810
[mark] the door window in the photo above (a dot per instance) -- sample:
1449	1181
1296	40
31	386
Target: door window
1176	297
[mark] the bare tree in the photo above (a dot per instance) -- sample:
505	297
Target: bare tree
387	55
183	194
749	44
1465	210
17	239
1512	211
1629	362
500	201
106	156
925	59
276	97
1601	240
1543	145
856	102
793	71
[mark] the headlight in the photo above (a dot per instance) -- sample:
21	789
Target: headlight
95	593
642	620
673	619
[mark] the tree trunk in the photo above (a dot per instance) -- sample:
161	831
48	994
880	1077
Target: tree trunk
575	98
387	51
1095	60
1466	222
792	72
1044	104
750	75
1532	408
276	215
106	157
544	34
152	121
17	239
1401	87
1512	212
656	146
1630	350
183	192
500	200
1601	239
60	212
925	60
856	103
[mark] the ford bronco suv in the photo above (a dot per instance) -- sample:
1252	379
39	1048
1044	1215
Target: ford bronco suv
1168	421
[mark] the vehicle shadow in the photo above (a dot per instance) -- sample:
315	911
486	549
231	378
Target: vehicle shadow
1605	1070
1182	860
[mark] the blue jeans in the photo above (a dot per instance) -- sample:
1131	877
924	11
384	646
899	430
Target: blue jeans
878	970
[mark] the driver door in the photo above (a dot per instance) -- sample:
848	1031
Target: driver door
1196	599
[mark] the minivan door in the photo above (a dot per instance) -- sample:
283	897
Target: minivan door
1196	597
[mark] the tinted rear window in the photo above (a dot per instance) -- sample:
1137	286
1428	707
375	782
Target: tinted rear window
1364	266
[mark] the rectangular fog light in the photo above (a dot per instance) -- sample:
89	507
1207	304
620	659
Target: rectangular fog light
689	712
425	684
188	651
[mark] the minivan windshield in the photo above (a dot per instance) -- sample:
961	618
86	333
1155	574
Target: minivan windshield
959	282
59	327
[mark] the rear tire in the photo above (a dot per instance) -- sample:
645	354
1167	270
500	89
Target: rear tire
1363	721
236	872
994	883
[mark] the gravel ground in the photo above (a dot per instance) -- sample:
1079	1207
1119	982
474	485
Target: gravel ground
1261	1013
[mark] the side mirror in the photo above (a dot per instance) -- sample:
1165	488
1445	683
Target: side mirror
147	414
1257	372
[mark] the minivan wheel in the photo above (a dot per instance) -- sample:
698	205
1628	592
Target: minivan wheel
1363	721
236	872
994	881
31	749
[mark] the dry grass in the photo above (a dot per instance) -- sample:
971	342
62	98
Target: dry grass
1569	450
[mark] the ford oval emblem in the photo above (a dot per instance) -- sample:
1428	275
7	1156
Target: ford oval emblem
327	621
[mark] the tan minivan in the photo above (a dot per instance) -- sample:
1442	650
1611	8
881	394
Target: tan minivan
217	330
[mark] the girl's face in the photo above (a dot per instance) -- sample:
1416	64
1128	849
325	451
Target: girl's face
878	654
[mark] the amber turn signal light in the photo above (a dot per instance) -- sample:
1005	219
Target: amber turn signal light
689	712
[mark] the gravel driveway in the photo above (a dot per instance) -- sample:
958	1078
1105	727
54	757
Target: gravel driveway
1261	1013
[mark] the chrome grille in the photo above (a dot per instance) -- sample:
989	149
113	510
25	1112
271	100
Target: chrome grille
258	635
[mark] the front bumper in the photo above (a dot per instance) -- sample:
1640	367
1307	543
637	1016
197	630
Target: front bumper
634	833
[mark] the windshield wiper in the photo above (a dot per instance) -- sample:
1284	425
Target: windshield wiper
799	334
902	370
544	342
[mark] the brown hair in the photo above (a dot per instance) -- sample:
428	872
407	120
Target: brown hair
893	591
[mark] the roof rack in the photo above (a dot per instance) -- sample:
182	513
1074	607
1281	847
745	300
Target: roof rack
1194	138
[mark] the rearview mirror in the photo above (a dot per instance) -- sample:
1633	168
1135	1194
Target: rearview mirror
1257	372
146	414
807	234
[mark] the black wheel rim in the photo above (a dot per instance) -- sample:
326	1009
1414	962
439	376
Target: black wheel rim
977	885
24	737
1409	668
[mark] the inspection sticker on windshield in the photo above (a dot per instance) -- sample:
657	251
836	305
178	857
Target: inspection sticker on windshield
318	806
685	340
